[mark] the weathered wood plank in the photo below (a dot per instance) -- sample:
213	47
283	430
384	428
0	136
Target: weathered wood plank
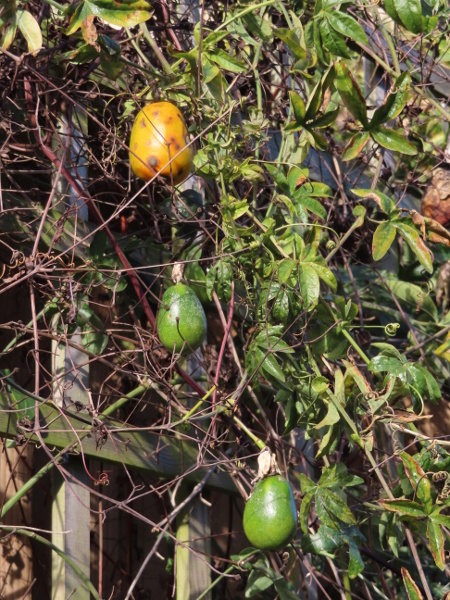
164	456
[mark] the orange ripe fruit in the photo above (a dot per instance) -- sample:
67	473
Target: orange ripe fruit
159	144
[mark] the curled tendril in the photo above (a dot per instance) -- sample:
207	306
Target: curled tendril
371	396
396	442
102	480
391	329
445	492
330	245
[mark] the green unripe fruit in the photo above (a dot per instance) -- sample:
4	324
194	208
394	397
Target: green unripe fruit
270	514
181	320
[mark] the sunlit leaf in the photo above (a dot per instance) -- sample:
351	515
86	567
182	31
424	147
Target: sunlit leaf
30	30
383	237
393	139
412	589
127	13
350	93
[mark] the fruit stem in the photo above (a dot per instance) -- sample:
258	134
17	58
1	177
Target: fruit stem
261	445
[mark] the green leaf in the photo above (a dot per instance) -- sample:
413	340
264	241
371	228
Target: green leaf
292	41
211	40
311	204
213	80
394	103
315	100
306	484
8	23
298	107
405	508
227	62
350	93
126	13
438	518
236	208
320	384
419	480
309	285
411	235
410	14
30	30
18	400
325	275
330	418
412	589
355	145
259	26
393	139
332	40
436	540
219	278
325	541
324	120
285	269
383	238
415	296
331	508
356	563
305	510
389	7
386	204
347	26
337	476
421	379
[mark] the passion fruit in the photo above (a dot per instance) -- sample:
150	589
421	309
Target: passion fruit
270	515
159	144
181	320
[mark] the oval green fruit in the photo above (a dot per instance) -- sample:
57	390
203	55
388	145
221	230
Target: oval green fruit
181	320
270	514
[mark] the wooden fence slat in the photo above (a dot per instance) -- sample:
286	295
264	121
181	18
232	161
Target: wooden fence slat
70	507
16	565
164	456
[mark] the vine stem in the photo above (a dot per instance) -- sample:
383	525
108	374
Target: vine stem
100	221
223	345
63	555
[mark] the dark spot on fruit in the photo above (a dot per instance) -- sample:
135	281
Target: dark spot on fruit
179	172
135	146
152	161
155	113
177	146
171	140
143	123
169	119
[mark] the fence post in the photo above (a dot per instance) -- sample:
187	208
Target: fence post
71	500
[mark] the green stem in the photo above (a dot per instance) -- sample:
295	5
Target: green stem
359	221
215	582
30	483
419	91
56	5
259	443
121	401
197	406
154	46
63	555
355	346
22	333
251	8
